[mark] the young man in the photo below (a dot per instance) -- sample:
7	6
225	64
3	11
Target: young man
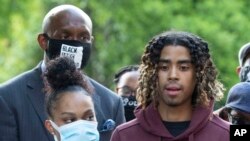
66	31
177	88
126	80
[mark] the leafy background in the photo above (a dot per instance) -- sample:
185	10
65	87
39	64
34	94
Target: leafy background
121	30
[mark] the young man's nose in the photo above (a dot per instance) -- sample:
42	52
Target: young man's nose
173	73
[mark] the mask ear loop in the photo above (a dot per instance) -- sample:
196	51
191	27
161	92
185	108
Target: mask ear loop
48	42
47	38
56	128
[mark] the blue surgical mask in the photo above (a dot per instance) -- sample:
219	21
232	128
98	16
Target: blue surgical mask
81	130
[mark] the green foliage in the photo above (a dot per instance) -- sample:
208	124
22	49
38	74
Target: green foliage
122	29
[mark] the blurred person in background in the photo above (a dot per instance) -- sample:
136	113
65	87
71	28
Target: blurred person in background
244	61
242	71
238	104
126	81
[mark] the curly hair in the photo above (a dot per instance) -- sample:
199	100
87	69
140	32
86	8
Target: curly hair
207	86
63	76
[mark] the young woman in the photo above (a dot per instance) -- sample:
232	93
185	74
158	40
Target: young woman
70	109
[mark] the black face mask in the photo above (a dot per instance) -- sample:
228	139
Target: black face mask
78	51
129	103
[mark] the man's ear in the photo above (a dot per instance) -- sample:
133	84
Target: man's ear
238	70
42	41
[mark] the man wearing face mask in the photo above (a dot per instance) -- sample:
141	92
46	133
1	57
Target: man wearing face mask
126	80
66	31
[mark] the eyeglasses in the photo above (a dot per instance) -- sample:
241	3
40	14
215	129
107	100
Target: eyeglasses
126	91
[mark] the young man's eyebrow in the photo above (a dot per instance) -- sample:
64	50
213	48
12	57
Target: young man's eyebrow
164	60
184	61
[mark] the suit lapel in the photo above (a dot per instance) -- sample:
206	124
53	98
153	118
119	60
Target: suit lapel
36	95
97	104
99	113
